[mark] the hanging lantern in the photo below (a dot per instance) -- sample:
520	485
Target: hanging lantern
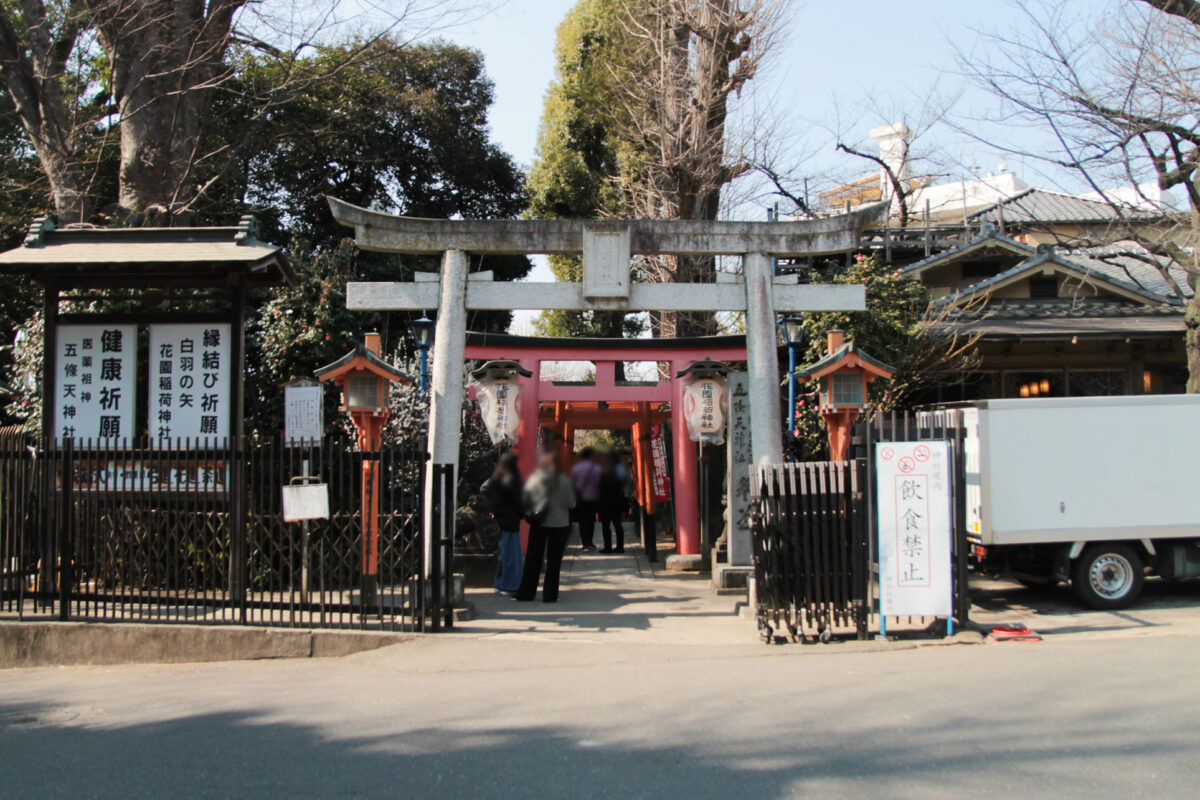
498	392
705	401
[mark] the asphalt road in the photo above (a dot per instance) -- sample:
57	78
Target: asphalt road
479	716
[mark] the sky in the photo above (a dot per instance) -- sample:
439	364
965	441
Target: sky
838	59
837	55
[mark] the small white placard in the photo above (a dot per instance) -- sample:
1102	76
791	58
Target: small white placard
305	502
303	414
913	498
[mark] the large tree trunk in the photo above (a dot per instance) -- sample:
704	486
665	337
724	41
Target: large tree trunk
68	185
701	51
167	56
32	65
160	129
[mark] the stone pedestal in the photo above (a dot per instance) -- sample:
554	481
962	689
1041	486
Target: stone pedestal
685	563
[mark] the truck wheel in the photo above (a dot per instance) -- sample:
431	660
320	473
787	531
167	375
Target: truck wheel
1108	576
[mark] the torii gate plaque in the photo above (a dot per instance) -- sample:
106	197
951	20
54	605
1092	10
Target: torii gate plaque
607	247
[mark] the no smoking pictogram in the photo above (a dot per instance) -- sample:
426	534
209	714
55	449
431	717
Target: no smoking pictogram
921	453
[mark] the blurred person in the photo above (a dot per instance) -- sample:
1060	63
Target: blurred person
585	476
503	493
614	503
548	500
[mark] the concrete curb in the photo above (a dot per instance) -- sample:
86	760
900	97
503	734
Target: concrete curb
44	644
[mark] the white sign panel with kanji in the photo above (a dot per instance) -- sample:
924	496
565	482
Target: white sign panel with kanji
913	496
95	381
303	414
190	384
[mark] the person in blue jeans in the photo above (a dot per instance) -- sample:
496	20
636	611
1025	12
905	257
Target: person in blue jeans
502	493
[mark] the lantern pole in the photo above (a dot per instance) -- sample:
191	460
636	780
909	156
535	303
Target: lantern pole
367	405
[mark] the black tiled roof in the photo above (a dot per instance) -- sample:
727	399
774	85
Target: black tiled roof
1034	206
1067	308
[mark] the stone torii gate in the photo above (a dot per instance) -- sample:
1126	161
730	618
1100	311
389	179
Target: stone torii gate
607	247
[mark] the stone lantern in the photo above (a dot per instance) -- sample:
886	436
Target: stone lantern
844	374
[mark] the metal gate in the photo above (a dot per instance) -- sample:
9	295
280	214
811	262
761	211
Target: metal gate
810	548
196	535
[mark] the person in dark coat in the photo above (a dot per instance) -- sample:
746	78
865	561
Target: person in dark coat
502	493
614	503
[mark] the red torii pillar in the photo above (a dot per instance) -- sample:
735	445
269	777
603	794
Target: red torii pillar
528	436
687	470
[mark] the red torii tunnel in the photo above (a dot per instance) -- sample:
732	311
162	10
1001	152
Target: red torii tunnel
607	404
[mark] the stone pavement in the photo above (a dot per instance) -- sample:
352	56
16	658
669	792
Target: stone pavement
617	598
626	599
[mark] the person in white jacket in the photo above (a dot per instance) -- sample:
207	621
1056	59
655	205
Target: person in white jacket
549	498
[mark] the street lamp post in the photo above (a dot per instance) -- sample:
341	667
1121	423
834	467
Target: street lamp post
422	333
793	337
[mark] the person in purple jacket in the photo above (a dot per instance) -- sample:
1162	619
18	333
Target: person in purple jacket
585	477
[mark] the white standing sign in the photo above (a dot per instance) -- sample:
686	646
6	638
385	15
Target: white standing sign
913	497
190	384
95	381
303	414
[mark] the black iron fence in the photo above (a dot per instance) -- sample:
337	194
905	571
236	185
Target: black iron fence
816	530
197	534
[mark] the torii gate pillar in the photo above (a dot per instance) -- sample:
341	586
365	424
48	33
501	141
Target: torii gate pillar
762	362
446	388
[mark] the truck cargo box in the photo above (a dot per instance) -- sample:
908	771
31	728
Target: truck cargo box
1083	469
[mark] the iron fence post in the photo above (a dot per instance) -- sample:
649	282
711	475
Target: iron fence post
436	551
65	550
962	600
446	532
237	491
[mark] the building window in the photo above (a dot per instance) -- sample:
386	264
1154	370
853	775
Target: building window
1034	384
1043	287
975	270
1099	382
847	389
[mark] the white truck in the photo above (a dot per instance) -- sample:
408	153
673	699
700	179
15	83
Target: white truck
1091	490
